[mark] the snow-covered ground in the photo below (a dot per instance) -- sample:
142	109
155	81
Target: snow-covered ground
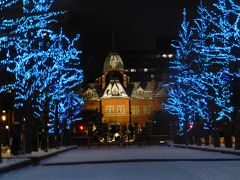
211	148
12	161
152	152
36	154
213	170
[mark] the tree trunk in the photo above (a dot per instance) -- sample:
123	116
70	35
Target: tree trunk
56	129
206	138
45	118
29	128
237	141
228	135
216	138
35	140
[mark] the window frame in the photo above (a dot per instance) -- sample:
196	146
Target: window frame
120	109
147	110
135	110
109	109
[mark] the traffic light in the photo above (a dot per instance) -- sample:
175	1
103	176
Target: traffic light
190	126
81	128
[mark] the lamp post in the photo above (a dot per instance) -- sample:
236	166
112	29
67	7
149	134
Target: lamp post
56	124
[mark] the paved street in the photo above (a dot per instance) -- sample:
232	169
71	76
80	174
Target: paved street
150	163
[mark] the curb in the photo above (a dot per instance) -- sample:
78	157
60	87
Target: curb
15	166
31	160
139	160
207	149
36	160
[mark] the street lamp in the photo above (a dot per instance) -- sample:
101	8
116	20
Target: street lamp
4	129
4	117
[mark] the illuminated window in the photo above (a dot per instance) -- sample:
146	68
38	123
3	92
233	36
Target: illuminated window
133	70
145	69
146	109
140	91
170	55
109	109
120	109
164	55
135	109
126	70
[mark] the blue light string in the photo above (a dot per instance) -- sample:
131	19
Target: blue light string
43	61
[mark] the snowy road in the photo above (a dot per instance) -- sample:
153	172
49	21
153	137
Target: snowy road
170	164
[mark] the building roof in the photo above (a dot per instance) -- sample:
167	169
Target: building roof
114	89
161	91
138	90
112	62
113	82
141	90
91	93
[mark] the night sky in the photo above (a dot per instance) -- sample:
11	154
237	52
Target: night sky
136	25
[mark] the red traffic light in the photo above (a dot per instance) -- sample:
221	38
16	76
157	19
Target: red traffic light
190	126
81	127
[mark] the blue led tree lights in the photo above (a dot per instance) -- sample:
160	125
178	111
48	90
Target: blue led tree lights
179	101
46	63
7	3
200	85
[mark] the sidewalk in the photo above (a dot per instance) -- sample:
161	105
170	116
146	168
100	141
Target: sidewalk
10	162
211	148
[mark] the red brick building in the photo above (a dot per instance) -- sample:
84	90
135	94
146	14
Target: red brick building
120	100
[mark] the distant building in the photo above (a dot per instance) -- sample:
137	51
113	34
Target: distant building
121	100
147	66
